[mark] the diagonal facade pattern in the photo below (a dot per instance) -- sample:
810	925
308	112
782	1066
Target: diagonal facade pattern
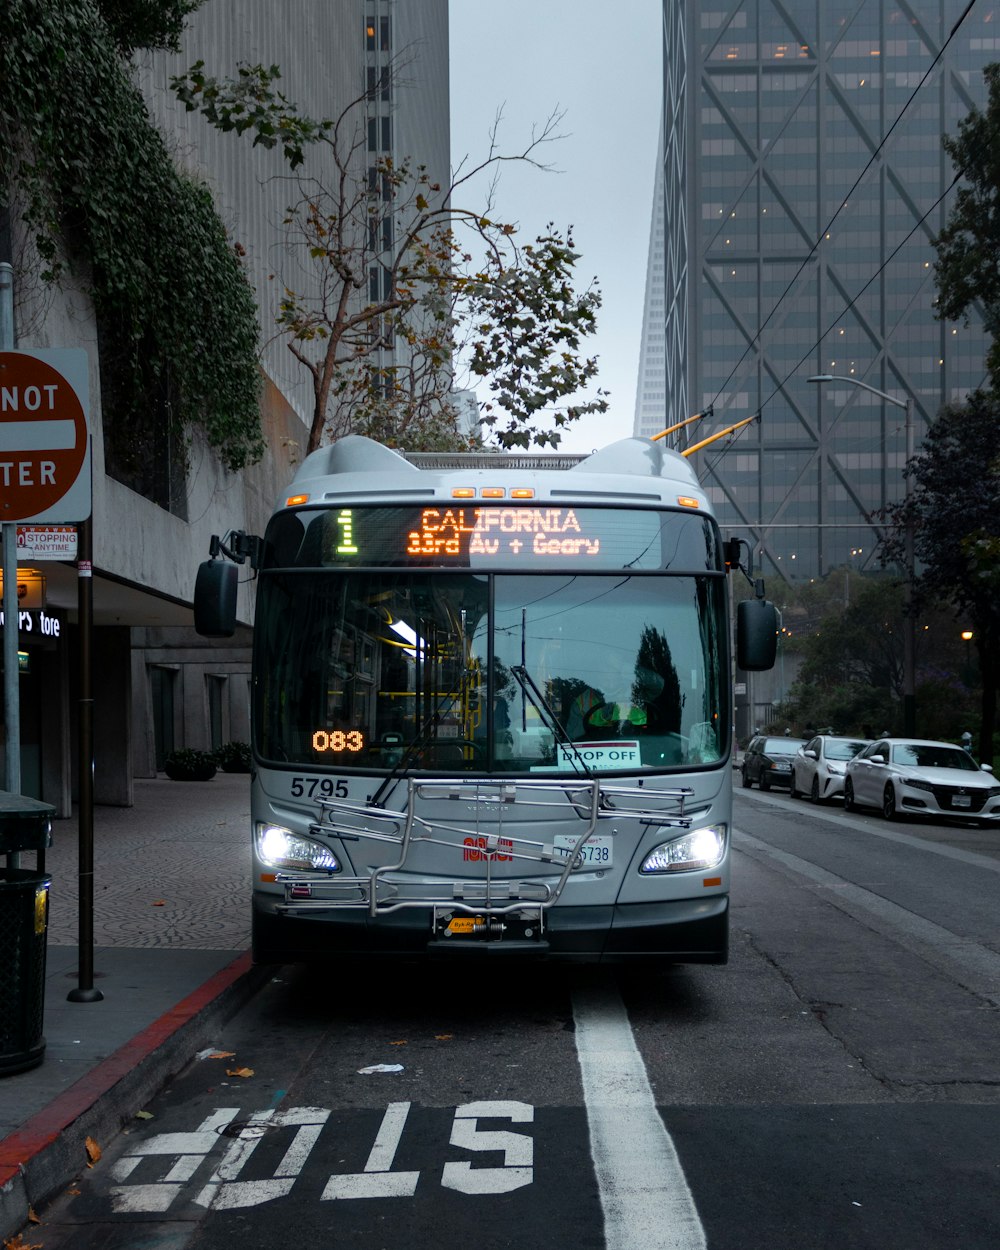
798	230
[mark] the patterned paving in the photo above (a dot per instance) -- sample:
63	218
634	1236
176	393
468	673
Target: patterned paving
171	871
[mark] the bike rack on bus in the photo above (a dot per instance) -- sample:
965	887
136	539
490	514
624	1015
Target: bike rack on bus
495	803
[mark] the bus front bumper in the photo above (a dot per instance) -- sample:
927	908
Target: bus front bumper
685	931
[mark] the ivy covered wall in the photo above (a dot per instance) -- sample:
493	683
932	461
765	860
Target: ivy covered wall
84	169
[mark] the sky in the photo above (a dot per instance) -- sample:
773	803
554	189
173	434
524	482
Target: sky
601	64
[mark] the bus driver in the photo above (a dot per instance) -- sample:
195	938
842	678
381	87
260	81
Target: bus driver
593	716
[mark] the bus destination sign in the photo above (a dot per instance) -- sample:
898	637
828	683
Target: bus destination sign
496	531
490	536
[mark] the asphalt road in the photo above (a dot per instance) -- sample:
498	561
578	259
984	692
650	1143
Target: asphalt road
836	1085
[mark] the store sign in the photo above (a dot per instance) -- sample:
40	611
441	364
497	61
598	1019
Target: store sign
46	542
39	624
44	436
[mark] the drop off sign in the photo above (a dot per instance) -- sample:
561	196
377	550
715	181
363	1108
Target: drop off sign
44	436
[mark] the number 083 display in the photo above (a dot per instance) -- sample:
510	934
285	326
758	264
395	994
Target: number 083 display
338	740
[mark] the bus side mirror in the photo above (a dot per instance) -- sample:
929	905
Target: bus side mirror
756	635
215	599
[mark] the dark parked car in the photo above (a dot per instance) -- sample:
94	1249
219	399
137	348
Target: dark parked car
768	761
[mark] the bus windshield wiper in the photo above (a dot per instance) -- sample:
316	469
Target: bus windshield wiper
544	709
419	741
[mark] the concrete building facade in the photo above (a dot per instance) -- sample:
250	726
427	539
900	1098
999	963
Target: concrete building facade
157	684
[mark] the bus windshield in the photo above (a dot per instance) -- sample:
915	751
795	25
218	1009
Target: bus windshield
460	672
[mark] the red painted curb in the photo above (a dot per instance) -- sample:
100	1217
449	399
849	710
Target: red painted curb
45	1126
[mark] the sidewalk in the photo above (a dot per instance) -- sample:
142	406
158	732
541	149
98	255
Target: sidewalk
171	941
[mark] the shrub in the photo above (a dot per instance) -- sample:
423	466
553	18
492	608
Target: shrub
186	764
234	757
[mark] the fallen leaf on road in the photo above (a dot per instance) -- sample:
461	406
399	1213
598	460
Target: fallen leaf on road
17	1243
222	1054
239	1072
159	902
93	1151
144	1115
32	1217
402	1043
443	1037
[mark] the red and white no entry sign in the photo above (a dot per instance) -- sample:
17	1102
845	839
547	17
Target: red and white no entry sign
44	436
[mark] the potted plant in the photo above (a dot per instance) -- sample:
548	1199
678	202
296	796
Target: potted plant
186	764
234	757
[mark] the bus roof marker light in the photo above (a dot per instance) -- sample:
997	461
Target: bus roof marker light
463	492
687	501
522	492
493	492
293	500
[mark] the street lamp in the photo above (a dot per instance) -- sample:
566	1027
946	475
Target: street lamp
909	624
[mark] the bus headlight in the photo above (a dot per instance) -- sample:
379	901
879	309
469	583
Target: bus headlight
278	847
692	852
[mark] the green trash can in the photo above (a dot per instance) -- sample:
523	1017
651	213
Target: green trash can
24	920
25	825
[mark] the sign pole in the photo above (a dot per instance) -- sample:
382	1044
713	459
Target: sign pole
85	992
45	475
11	693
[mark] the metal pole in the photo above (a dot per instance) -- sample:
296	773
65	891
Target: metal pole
7	340
11	693
85	992
910	624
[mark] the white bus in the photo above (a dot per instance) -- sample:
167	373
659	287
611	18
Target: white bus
492	706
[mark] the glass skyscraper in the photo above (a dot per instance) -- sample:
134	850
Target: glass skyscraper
804	179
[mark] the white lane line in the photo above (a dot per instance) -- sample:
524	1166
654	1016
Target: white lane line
645	1197
913	841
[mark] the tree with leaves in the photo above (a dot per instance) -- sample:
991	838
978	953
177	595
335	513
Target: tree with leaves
954	509
396	295
152	24
846	633
967	269
849	637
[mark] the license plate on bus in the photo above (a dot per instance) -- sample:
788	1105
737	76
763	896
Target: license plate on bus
596	852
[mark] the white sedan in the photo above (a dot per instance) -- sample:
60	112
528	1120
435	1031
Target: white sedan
922	778
819	767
